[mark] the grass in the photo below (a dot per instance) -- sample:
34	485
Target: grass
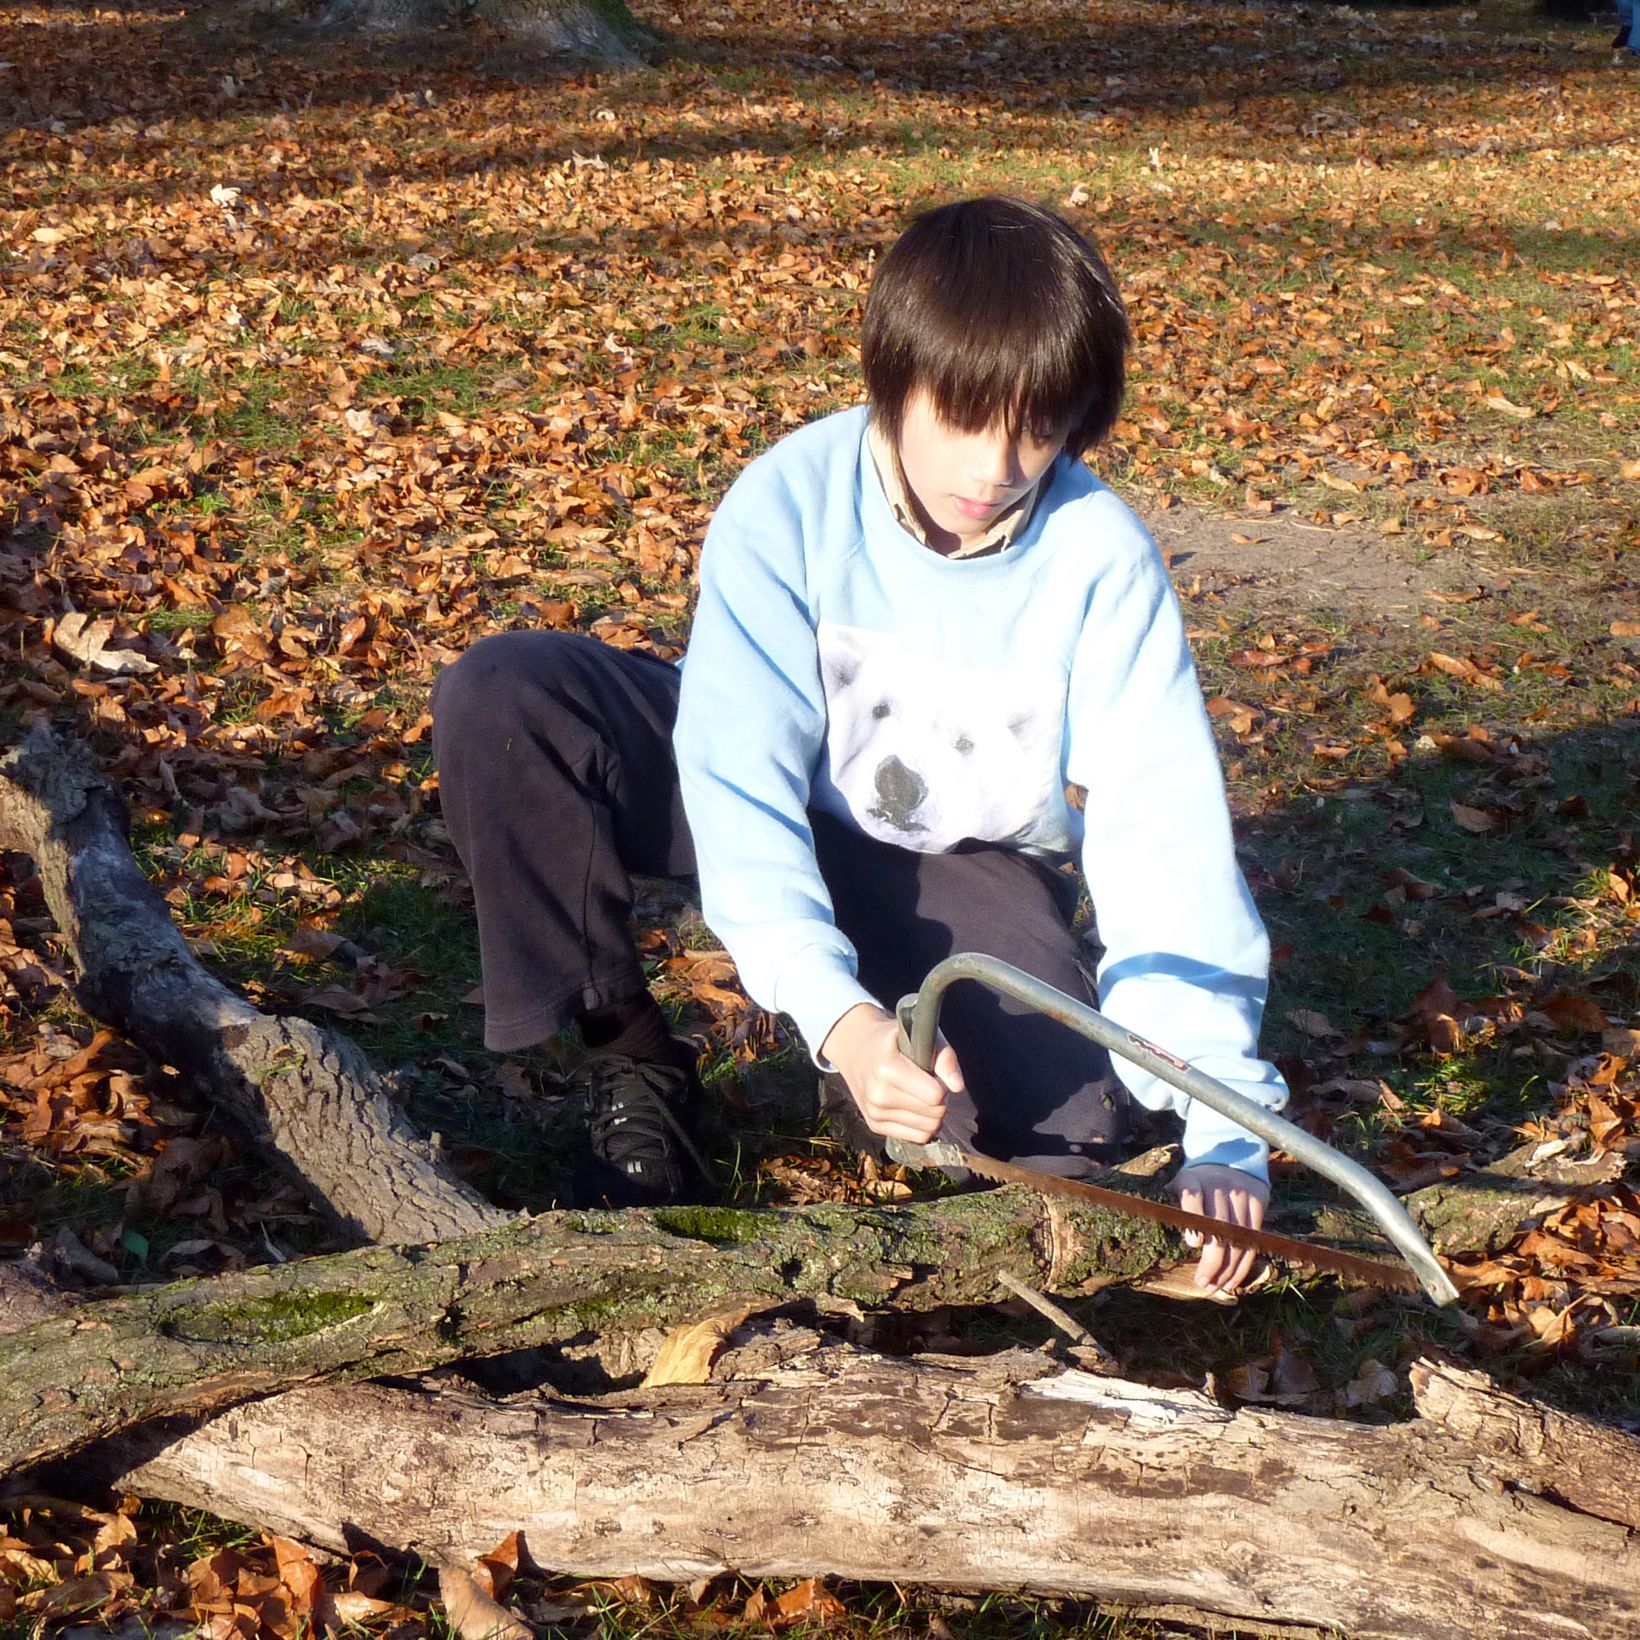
1243	211
1337	855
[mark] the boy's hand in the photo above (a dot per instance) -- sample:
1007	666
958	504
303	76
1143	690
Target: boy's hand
896	1098
1229	1194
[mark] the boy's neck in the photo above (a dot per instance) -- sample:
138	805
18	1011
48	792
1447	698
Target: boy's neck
909	514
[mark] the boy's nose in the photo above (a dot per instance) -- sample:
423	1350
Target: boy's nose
996	462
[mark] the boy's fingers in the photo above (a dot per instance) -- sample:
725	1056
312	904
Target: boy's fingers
1191	1202
921	1116
900	1119
1211	1264
924	1093
1224	1267
915	1133
1238	1262
1251	1213
903	1110
1213	1268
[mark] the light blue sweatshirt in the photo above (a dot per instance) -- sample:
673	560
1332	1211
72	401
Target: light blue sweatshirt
837	662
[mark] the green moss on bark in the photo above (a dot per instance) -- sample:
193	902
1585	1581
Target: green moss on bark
723	1226
268	1320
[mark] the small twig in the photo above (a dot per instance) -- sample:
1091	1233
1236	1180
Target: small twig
1095	1357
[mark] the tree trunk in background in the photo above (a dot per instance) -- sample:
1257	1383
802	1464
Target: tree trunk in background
603	31
1484	1515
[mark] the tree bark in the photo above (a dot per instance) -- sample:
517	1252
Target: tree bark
557	1280
1483	1212
308	1099
1485	1515
192	1347
604	31
1480	1212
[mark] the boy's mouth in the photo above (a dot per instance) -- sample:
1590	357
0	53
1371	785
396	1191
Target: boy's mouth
974	509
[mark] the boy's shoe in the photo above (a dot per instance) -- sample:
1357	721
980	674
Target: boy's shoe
637	1114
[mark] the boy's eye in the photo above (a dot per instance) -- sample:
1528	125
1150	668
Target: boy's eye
963	744
881	709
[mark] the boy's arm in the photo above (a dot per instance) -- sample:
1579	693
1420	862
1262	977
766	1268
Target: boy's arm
1186	958
751	720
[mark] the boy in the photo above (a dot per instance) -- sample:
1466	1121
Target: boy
919	622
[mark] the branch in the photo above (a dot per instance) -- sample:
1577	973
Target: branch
308	1099
192	1347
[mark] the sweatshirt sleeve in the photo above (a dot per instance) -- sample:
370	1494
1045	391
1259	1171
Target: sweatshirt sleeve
1186	958
751	720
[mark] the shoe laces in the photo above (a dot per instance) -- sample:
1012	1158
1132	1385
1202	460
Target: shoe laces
633	1125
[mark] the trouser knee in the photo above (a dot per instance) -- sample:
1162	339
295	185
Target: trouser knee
502	679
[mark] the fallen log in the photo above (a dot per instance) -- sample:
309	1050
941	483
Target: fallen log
1484	1515
1482	1212
191	1347
308	1099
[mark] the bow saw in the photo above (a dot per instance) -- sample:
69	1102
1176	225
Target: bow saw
919	1018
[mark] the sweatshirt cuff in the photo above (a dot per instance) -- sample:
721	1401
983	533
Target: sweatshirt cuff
817	988
1210	1138
1244	1152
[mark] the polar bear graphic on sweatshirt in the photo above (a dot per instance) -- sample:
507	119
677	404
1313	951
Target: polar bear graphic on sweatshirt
925	753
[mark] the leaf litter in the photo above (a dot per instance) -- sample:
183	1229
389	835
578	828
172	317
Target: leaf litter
374	369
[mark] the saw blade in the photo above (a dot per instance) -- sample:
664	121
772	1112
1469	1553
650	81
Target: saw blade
1374	1271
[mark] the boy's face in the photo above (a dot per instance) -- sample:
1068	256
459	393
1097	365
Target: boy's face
962	482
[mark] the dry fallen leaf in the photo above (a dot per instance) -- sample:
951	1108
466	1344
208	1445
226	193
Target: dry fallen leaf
1281	1378
86	640
1241	717
1471	819
472	1613
307	944
353	1606
1415	887
810	1602
1312	1023
1373	1383
1574	1011
688	1352
495	1571
300	1574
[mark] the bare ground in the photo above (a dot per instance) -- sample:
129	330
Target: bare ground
1288	563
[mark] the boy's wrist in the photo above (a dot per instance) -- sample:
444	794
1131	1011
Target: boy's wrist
1210	1176
1241	1152
816	988
835	1051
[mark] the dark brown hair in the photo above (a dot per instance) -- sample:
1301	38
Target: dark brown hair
997	308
